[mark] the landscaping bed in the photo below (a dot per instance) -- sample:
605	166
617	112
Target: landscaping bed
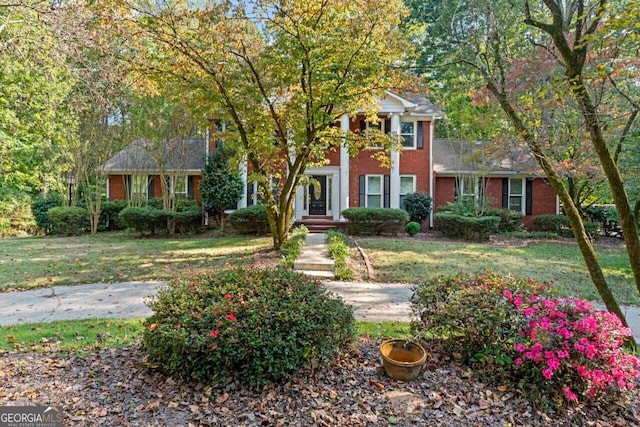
117	387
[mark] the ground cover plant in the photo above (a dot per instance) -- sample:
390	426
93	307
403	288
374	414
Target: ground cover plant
255	326
37	262
292	248
338	248
397	260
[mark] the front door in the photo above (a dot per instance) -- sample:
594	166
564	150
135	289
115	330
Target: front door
318	205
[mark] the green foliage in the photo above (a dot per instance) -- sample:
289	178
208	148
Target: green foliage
41	205
250	220
509	220
143	219
524	234
152	219
463	208
413	228
560	225
68	220
366	221
418	205
182	203
338	247
293	246
255	326
109	215
220	187
456	226
606	216
16	218
472	313
188	220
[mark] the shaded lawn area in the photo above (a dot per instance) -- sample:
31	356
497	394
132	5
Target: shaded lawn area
117	257
402	260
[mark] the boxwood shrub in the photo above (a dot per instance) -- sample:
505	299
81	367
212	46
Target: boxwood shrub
560	224
255	326
367	221
250	220
109	215
509	220
418	205
456	226
143	220
188	220
413	228
68	220
41	205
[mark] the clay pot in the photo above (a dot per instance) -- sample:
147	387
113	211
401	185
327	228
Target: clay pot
402	359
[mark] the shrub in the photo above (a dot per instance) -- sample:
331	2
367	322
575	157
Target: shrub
418	205
338	247
183	203
606	216
16	218
250	220
41	205
472	313
143	220
293	246
570	351
413	228
509	220
366	221
188	220
532	234
456	226
109	215
560	224
463	208
255	326
68	220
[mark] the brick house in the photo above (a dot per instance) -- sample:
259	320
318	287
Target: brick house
424	164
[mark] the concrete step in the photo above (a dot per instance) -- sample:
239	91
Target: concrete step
321	274
315	265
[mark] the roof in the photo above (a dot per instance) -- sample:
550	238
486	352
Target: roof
456	156
178	155
423	105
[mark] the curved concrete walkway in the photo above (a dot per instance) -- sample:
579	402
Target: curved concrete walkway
375	302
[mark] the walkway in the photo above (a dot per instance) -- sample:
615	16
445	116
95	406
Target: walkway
375	302
314	260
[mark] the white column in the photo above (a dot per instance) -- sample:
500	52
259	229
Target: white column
335	197
344	168
394	181
432	176
243	170
299	202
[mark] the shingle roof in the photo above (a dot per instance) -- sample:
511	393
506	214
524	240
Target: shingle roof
182	155
424	106
453	156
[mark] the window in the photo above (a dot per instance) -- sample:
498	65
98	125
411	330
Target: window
374	191
139	188
407	185
470	189
408	134
378	127
515	194
179	185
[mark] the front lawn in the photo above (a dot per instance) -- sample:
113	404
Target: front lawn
117	257
410	261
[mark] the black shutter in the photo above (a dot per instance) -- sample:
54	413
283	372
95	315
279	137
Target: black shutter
150	186
387	192
480	191
420	135
361	191
387	125
363	125
190	186
250	187
529	198
128	191
456	190
505	193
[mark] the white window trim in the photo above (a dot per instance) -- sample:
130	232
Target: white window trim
146	186
523	201
415	134
366	190
173	186
381	121
476	187
413	177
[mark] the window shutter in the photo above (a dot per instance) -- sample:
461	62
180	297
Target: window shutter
420	135
363	125
529	197
387	192
190	185
387	125
481	191
505	193
128	191
361	191
150	193
250	187
456	190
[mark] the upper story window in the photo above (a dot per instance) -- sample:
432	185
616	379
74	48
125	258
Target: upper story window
408	134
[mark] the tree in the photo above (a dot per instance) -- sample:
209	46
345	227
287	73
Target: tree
221	186
527	78
281	73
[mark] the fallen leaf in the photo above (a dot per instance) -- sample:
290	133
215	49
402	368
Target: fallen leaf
194	408
502	388
172	405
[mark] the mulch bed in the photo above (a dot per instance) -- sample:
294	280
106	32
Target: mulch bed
117	387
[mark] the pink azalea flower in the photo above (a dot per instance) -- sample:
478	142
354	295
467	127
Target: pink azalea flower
231	317
569	394
547	373
215	333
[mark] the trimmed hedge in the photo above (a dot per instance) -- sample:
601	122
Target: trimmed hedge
509	220
41	205
413	228
251	325
367	221
68	220
418	205
250	220
109	215
143	220
188	220
560	224
469	228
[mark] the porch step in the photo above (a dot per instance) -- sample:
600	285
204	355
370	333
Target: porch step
317	217
318	273
313	264
317	225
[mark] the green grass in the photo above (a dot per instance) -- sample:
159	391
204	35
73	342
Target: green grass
77	336
384	329
396	260
117	257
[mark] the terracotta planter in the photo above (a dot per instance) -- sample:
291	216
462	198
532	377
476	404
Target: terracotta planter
402	359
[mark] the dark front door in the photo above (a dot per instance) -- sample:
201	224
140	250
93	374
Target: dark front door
318	205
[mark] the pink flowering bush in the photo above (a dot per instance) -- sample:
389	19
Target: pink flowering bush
254	325
570	352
